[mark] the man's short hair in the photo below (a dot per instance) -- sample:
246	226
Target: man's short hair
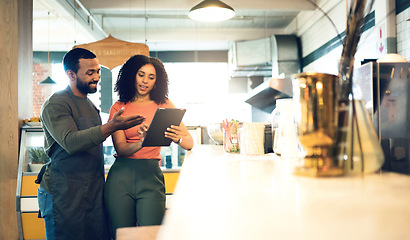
72	57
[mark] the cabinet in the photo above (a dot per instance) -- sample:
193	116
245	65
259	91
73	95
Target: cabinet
29	225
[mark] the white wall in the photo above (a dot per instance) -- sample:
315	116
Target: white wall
314	30
403	34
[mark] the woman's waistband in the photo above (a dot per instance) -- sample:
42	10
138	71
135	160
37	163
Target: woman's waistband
136	161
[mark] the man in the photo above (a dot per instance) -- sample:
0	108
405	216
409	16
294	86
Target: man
71	190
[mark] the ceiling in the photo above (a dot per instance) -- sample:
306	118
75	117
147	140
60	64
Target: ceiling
162	24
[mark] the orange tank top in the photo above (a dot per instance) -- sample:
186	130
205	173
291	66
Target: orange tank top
131	134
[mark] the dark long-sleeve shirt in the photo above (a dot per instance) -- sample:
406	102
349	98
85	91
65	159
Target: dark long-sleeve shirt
59	115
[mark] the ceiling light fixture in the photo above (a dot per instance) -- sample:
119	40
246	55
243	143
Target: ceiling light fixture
48	80
211	11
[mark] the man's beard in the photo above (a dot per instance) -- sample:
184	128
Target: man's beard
85	87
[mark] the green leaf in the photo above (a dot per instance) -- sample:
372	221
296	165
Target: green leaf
38	155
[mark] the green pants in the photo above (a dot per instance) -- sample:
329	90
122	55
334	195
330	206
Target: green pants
134	193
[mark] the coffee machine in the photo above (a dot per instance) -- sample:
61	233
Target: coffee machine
385	89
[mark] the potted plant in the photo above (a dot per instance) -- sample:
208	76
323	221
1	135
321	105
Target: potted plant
38	158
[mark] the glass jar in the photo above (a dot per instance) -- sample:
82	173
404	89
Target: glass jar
252	138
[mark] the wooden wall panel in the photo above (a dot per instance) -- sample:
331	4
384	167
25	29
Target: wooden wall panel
10	68
8	119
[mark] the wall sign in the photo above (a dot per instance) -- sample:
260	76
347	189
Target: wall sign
112	52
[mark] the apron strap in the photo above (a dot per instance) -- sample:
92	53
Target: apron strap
41	173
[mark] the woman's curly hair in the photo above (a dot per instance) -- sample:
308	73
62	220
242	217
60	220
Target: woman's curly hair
126	87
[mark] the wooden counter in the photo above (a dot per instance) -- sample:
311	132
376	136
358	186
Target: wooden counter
138	233
232	196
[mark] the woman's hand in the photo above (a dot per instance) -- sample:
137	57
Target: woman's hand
124	148
175	133
142	132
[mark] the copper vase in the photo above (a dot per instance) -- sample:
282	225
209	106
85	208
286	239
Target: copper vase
315	99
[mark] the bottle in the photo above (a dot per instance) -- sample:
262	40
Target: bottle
168	162
283	117
274	124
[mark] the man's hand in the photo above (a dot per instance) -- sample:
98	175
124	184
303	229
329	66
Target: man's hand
124	122
119	122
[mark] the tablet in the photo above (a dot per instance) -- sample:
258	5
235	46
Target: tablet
163	118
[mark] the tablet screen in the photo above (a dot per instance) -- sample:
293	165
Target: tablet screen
163	118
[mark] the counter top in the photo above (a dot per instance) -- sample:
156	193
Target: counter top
232	196
138	233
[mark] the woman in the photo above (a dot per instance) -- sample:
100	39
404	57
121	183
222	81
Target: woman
135	191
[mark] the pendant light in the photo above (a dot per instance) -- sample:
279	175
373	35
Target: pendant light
211	11
48	80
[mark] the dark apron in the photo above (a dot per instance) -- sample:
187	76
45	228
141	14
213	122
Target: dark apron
77	182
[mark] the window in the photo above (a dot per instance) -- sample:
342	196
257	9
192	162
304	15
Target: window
202	88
